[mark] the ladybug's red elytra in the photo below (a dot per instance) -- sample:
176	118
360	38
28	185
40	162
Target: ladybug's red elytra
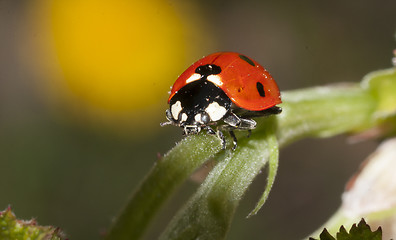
224	90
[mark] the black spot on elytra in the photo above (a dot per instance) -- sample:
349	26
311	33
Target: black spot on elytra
260	89
248	60
208	69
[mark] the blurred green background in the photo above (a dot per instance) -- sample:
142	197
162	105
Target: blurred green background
83	88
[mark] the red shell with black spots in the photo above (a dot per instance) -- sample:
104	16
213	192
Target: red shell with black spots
243	80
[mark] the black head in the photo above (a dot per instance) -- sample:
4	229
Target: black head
198	104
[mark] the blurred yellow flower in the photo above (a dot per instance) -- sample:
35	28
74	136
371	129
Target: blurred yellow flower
118	54
116	57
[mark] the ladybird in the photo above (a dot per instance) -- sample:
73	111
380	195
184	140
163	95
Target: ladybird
224	90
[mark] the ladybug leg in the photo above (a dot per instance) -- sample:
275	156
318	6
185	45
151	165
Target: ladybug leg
247	124
232	120
249	133
219	134
236	122
234	140
209	130
169	117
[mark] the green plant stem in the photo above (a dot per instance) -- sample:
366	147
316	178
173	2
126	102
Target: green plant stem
324	112
313	112
166	175
209	212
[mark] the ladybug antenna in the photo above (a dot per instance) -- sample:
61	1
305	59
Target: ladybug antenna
165	123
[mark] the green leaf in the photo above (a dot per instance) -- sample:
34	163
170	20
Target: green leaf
208	214
325	235
272	170
382	85
360	232
13	229
312	112
167	174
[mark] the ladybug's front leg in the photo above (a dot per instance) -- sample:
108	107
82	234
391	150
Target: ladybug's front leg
218	133
170	119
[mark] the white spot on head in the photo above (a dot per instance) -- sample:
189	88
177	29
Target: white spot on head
215	79
197	118
176	109
215	111
193	78
184	117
